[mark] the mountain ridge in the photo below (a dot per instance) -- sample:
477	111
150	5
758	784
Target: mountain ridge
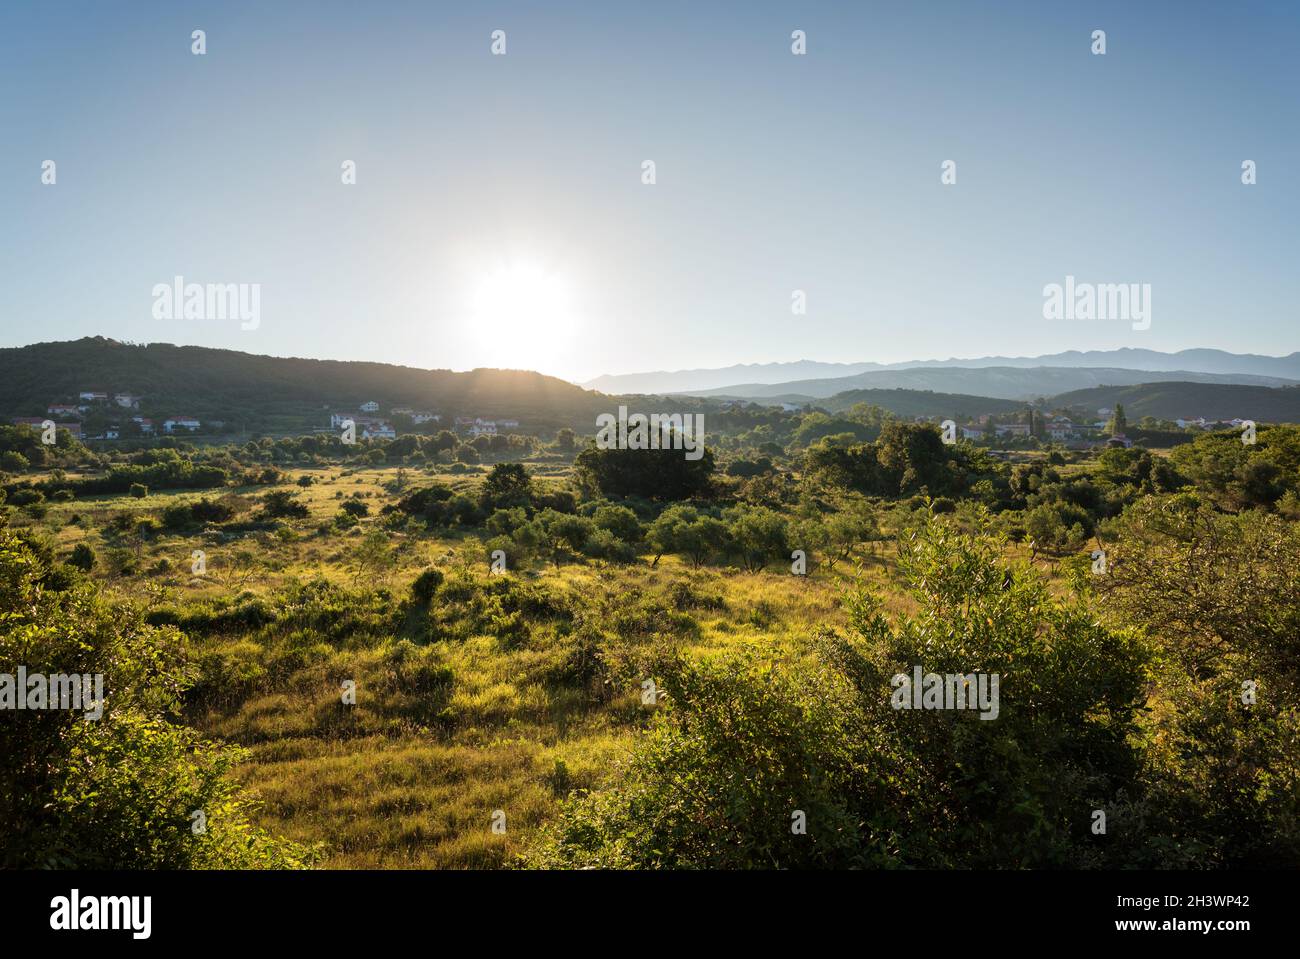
1194	360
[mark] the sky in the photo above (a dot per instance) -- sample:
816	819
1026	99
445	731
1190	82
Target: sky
499	215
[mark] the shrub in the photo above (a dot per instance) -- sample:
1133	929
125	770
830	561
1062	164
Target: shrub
83	557
117	792
426	585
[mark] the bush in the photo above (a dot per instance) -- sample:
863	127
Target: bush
139	490
116	792
426	586
752	743
83	557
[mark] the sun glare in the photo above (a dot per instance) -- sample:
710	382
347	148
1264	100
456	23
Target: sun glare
523	316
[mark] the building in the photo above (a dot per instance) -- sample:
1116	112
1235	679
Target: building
370	406
127	401
28	421
93	397
1119	441
1062	429
63	409
180	423
1013	429
360	419
508	424
483	428
417	416
146	425
378	430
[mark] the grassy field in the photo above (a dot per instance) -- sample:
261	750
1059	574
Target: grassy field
385	783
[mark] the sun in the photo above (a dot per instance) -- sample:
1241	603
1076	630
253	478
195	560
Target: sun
522	316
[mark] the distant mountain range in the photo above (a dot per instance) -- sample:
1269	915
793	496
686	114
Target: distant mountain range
1001	382
749	376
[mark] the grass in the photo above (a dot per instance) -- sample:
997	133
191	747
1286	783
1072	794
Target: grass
444	733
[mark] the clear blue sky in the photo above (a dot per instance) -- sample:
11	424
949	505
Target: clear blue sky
775	173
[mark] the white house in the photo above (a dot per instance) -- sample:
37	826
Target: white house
180	423
378	431
483	428
508	424
370	406
92	397
128	401
146	425
63	409
967	433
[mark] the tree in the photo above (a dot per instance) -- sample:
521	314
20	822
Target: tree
507	485
563	534
757	534
373	557
1118	425
652	474
685	530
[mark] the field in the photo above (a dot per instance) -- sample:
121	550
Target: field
387	793
370	660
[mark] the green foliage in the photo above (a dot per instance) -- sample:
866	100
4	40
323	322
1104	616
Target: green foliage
746	742
653	474
1222	593
83	557
283	504
117	792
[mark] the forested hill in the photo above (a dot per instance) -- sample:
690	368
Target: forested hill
1216	401
262	391
909	403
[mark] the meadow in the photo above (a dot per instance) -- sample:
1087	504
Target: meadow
374	662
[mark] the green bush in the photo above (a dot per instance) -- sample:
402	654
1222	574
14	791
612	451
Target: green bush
120	791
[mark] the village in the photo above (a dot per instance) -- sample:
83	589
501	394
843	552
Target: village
117	418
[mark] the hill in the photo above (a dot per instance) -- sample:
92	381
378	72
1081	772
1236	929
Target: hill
1214	401
267	393
911	403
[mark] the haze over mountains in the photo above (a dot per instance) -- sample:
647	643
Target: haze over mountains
994	376
999	382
